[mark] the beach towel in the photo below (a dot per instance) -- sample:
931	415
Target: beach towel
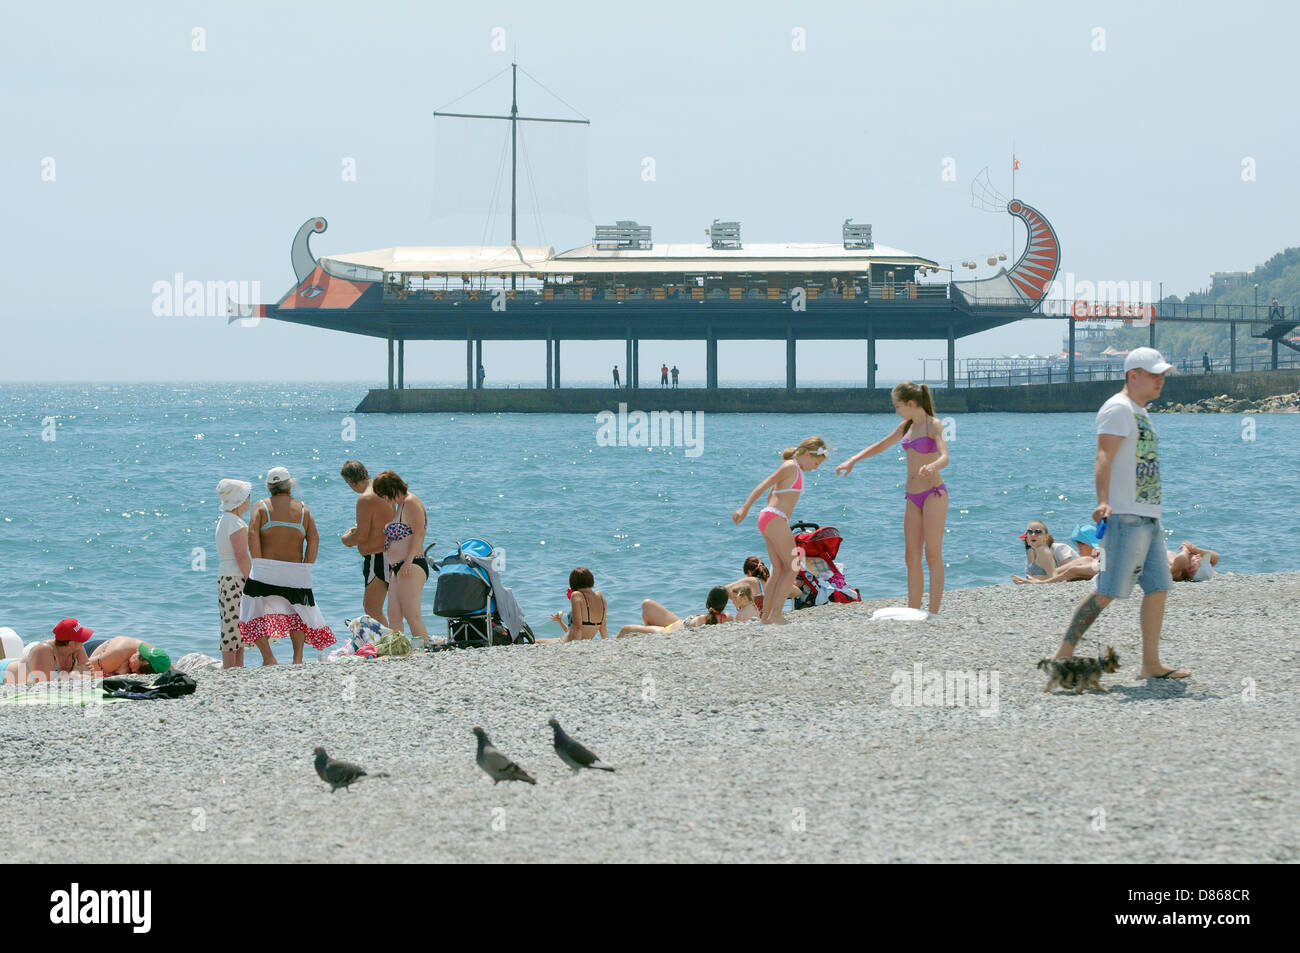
899	614
167	685
63	694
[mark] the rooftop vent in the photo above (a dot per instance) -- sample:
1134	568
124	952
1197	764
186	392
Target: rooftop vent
724	234
622	235
857	236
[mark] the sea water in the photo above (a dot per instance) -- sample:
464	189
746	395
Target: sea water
108	505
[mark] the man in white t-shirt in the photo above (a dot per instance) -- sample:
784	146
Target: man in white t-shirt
1127	475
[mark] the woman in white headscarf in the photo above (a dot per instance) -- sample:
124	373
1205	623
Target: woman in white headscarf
236	564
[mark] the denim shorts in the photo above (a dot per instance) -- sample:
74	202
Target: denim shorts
1133	550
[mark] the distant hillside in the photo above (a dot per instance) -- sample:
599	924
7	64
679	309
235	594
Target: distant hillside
1279	277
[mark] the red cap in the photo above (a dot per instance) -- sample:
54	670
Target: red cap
70	630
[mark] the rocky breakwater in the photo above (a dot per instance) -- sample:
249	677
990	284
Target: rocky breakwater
1223	404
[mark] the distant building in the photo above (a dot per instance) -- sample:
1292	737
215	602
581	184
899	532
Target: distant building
1223	280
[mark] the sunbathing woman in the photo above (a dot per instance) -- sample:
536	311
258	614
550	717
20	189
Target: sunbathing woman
747	593
59	657
659	620
785	484
925	509
1081	567
587	609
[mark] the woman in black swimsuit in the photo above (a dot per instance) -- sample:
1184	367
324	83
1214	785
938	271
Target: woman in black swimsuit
589	609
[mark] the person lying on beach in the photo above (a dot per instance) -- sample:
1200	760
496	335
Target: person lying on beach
747	593
1042	552
124	655
1189	563
1083	566
747	596
587	606
659	620
59	657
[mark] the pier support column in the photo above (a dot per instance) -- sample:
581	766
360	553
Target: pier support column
711	361
390	358
1232	347
401	363
1153	333
550	366
1274	354
634	381
478	362
469	360
952	358
557	363
789	360
627	360
871	357
1069	358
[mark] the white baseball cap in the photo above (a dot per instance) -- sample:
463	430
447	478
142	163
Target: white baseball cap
1147	359
281	475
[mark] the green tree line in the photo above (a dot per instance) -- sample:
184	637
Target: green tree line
1279	277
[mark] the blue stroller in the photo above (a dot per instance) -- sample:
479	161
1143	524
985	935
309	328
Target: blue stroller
480	610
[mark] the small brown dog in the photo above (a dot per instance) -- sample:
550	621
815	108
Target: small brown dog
1079	673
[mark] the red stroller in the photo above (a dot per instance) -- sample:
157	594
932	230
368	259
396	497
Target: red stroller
819	579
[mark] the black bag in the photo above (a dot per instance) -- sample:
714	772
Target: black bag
459	594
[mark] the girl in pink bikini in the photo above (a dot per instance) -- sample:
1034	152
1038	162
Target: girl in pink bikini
926	508
785	484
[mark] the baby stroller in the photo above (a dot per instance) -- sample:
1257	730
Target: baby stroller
480	610
820	580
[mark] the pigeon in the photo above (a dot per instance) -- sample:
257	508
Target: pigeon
339	774
497	765
573	754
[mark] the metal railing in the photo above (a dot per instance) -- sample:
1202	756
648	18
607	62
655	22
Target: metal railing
1059	373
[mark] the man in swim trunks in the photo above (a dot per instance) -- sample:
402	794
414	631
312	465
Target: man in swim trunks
125	655
373	514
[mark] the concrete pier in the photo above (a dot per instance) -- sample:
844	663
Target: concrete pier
1083	396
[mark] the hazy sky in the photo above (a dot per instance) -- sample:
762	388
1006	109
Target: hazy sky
129	156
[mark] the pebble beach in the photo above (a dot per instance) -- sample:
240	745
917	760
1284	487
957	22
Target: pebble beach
733	743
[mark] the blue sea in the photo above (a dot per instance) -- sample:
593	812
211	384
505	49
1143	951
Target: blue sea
108	507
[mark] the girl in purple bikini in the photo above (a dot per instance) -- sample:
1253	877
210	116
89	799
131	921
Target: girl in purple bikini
926	508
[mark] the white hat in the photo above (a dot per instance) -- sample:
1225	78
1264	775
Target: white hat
278	475
233	493
1147	359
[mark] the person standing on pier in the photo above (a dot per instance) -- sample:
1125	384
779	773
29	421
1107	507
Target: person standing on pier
663	376
674	377
1127	475
616	384
1205	361
482	376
